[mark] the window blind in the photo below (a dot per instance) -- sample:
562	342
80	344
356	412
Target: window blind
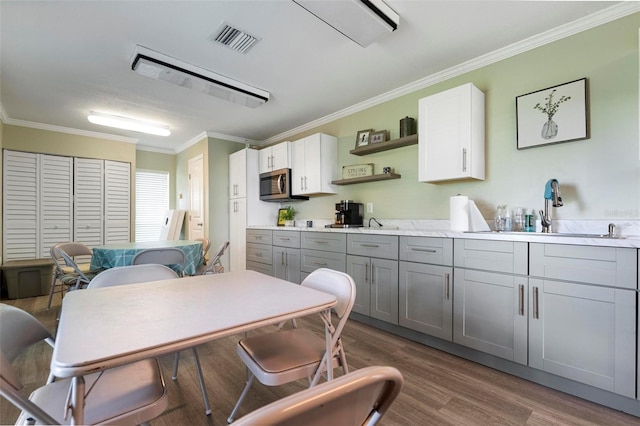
152	203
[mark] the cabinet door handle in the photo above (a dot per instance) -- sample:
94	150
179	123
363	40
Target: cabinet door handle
423	250
536	312
372	278
301	183
369	245
320	263
258	237
366	273
305	183
446	286
284	239
282	258
464	159
521	299
321	242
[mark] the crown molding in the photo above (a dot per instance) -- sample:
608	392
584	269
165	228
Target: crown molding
150	148
591	21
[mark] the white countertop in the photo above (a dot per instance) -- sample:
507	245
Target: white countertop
533	237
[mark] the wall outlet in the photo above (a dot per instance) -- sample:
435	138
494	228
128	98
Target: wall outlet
369	207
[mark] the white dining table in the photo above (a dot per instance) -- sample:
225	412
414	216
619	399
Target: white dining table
112	326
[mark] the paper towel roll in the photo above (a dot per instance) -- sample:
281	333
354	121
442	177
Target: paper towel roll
476	221
459	213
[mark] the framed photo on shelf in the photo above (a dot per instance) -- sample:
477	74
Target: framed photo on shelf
363	137
378	137
552	115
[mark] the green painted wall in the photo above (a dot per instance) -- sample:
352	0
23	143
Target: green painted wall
599	177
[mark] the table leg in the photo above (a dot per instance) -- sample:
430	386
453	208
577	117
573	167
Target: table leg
77	400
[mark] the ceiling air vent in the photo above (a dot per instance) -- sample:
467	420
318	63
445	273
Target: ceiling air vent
234	38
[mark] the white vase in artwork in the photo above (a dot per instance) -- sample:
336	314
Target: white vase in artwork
549	130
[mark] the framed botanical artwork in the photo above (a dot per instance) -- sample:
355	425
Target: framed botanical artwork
553	115
363	137
378	137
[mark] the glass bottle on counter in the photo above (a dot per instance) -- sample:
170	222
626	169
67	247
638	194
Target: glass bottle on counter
518	220
503	218
529	221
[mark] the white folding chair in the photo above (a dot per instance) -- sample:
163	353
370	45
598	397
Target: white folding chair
130	394
358	398
206	245
168	256
78	277
288	355
215	265
59	270
145	273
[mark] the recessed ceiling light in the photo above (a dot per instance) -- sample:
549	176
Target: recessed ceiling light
128	124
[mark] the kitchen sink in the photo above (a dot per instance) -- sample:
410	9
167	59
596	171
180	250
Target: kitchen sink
552	234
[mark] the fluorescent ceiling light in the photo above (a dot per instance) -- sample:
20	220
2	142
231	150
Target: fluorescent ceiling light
128	124
155	65
363	21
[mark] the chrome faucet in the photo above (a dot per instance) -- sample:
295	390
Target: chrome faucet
551	197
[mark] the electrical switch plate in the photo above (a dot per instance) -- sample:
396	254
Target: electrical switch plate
369	207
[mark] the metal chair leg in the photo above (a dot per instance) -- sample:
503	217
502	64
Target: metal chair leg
205	398
242	396
175	366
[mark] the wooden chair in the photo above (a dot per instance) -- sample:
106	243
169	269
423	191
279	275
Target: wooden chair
355	399
288	355
130	394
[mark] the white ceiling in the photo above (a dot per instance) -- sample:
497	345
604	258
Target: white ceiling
59	60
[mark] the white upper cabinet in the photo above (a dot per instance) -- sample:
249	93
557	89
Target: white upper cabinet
275	157
451	135
238	174
314	164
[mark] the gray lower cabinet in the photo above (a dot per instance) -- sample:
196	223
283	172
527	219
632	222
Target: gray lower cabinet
490	297
322	250
376	277
582	315
490	313
286	255
259	251
426	285
426	299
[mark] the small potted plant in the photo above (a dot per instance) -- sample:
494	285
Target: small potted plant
288	214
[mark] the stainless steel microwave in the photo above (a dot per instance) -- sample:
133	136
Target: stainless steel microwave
276	186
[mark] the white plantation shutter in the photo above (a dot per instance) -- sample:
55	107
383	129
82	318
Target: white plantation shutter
152	202
56	201
88	208
20	212
117	210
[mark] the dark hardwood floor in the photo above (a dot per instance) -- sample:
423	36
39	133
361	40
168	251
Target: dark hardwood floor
439	389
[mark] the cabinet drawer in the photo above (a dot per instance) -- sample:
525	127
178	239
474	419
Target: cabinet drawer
260	236
327	241
260	267
437	251
314	259
286	239
497	256
382	246
610	266
260	253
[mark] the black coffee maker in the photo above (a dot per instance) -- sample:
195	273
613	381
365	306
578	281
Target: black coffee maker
348	214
